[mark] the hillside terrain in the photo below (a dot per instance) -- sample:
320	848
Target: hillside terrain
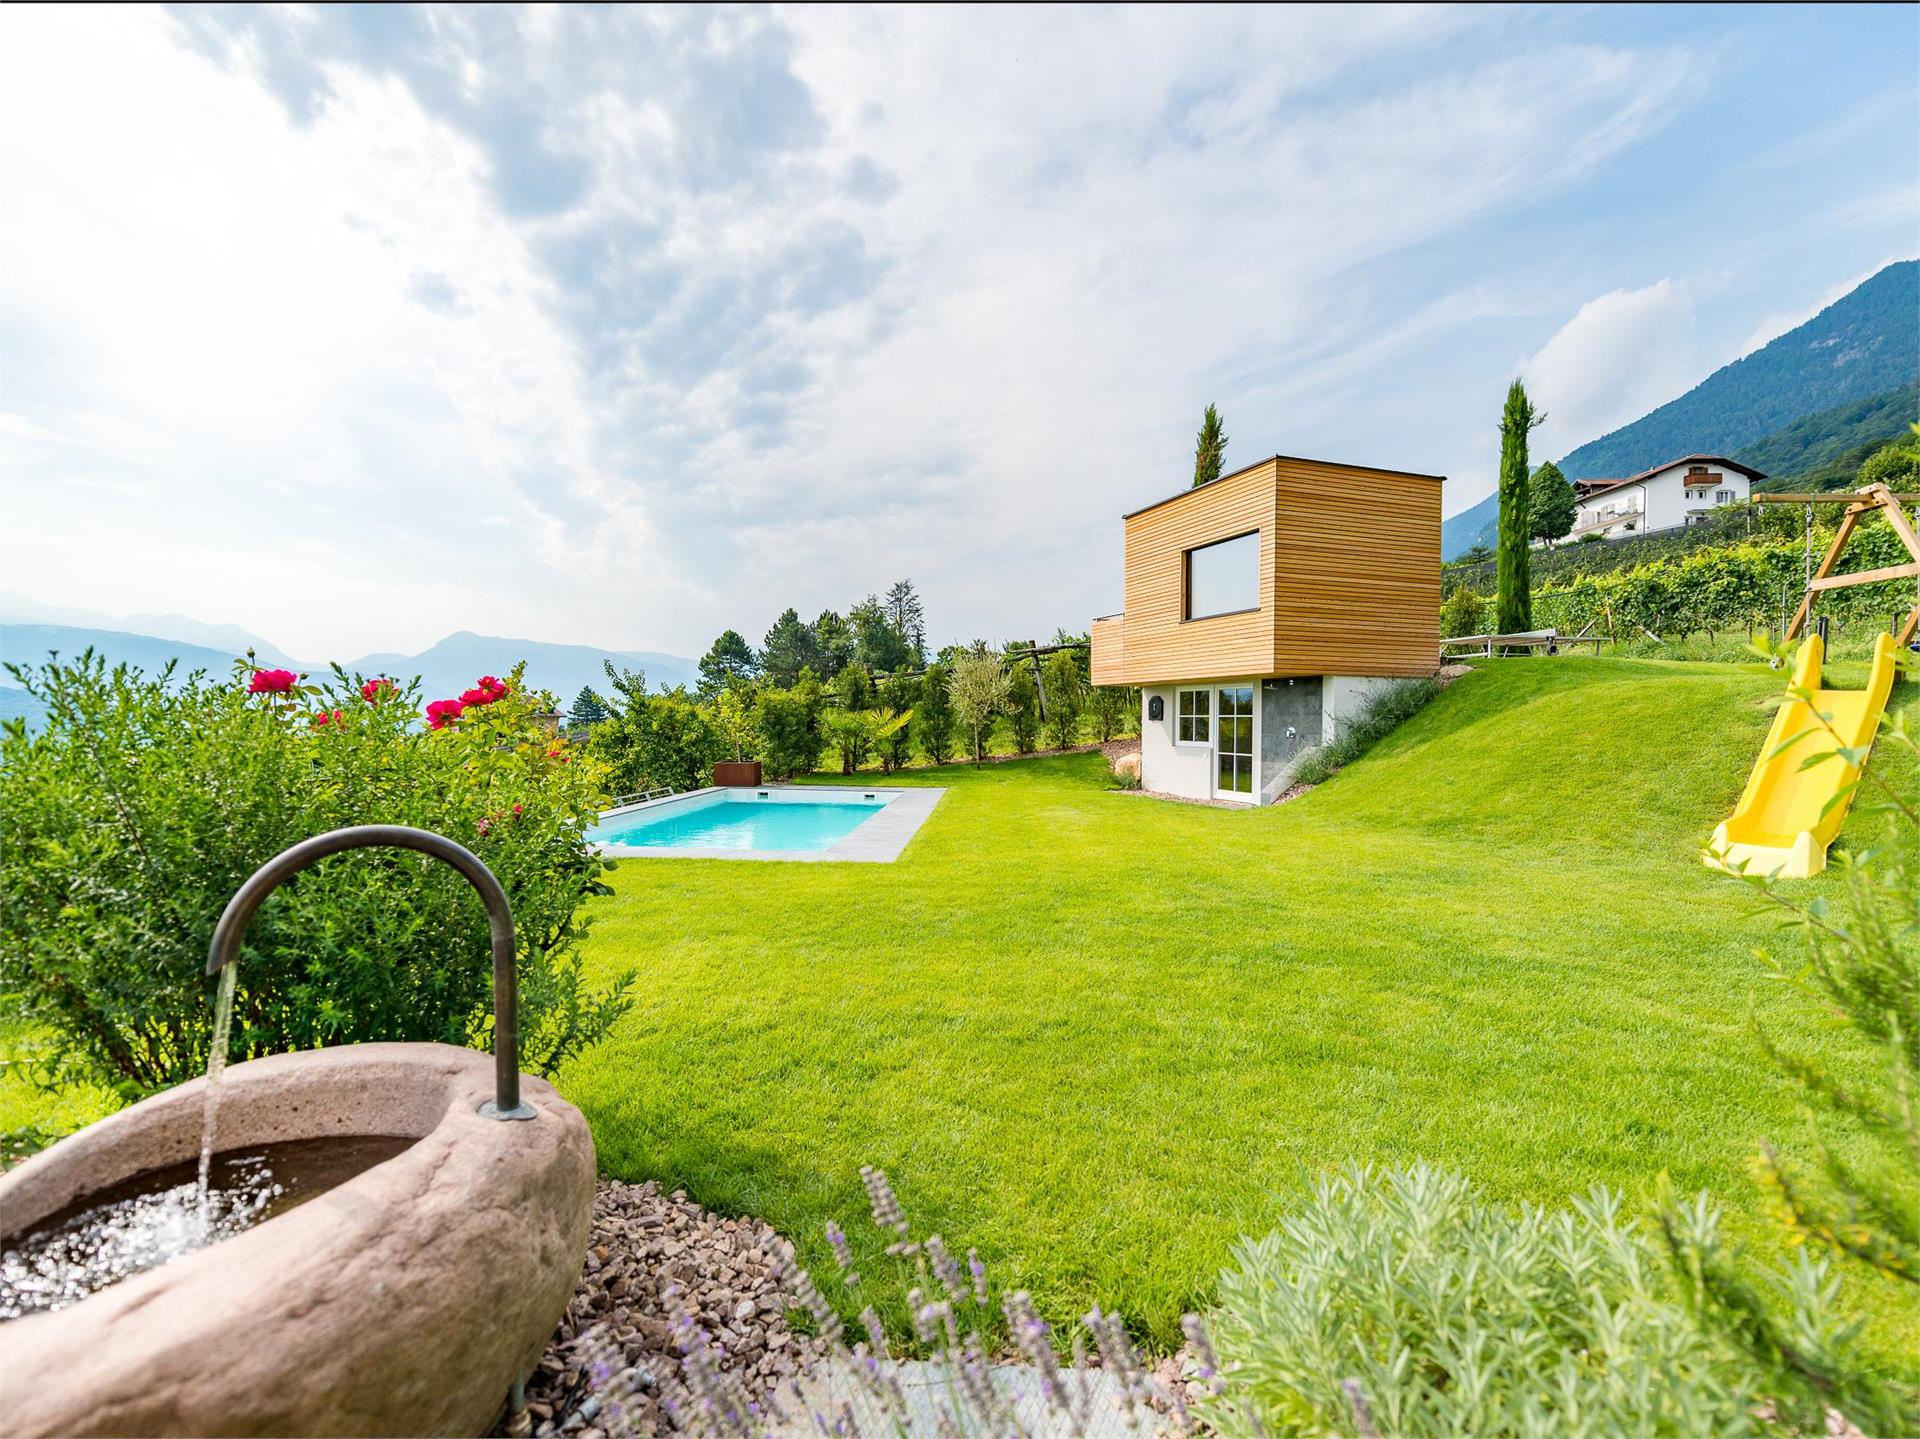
1805	408
1864	344
448	667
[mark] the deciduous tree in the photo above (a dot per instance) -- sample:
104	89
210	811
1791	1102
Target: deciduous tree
978	687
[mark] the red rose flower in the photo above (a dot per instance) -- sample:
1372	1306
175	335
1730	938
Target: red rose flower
325	718
272	682
475	697
442	713
374	690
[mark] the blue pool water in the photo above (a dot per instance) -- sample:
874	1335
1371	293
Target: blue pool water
732	823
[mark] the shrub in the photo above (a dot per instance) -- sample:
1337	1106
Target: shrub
1023	708
143	802
1404	1303
851	733
1462	612
790	727
1386	712
1066	697
933	717
658	741
1112	708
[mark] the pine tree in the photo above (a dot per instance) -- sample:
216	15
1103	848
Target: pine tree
587	709
1209	448
730	661
1514	610
787	649
833	644
904	610
1550	505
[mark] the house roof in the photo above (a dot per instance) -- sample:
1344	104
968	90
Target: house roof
1600	487
1298	459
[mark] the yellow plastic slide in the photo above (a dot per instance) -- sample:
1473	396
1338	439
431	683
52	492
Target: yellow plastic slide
1783	824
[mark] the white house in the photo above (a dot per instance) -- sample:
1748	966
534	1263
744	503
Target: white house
1666	497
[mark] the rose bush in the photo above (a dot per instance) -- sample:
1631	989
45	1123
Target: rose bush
143	802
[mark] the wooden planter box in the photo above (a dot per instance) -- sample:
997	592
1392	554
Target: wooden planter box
744	772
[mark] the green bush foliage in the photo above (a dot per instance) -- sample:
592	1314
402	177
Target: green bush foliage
978	686
1736	589
142	802
1066	698
1113	709
657	741
934	720
1023	708
1404	1303
901	694
1462	612
789	722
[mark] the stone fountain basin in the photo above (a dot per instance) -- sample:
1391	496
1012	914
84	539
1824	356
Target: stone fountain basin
405	1301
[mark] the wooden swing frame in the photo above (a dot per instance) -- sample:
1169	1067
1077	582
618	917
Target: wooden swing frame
1874	499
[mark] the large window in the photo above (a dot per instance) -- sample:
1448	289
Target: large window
1193	714
1223	578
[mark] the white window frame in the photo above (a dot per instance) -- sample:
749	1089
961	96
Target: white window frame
1723	497
1204	715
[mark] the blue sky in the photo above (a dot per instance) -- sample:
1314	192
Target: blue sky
357	327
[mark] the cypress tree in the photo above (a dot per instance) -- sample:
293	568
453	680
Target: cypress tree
1513	611
1208	448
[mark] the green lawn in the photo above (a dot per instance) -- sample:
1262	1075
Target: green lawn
1099	1036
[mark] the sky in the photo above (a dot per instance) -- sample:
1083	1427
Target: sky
357	327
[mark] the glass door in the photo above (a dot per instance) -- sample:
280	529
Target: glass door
1233	715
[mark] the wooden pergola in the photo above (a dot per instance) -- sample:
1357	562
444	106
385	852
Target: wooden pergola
1874	499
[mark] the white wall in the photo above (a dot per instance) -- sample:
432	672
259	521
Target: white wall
1662	498
1345	698
1667	502
1170	768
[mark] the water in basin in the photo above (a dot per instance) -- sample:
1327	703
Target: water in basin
157	1217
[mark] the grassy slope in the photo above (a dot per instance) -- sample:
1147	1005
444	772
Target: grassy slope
1100	1036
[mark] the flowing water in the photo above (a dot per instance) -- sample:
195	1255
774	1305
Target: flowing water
216	1066
167	1214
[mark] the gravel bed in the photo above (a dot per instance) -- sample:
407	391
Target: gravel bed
655	1262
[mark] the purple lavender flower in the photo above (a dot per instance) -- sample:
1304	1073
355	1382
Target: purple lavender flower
979	1272
887	1213
946	1269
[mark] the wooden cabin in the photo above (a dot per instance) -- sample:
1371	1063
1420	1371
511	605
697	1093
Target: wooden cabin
1263	610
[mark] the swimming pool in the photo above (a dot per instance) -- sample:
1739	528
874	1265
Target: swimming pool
769	822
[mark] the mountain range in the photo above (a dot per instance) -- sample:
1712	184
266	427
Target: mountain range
1843	379
446	668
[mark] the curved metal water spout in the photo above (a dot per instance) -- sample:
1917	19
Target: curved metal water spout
505	1103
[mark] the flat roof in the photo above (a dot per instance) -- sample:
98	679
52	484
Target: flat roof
1298	459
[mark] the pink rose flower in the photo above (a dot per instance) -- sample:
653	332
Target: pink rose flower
475	697
442	713
374	690
325	718
272	682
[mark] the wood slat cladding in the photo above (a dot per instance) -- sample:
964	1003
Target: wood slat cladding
1349	578
1159	642
1109	651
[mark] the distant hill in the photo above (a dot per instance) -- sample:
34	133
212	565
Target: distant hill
1864	344
28	645
229	639
1475	525
18	704
459	659
1835	439
1807	403
446	669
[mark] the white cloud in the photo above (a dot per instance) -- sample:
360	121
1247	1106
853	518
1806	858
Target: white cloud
1621	355
498	328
